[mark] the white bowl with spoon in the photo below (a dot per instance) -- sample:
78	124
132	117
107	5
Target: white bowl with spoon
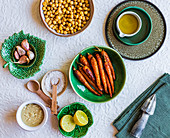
128	24
31	115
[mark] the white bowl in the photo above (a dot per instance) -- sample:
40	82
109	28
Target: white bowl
21	123
121	34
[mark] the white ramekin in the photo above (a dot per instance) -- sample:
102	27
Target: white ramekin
21	123
121	34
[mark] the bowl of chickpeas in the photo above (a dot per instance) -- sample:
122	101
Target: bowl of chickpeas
66	17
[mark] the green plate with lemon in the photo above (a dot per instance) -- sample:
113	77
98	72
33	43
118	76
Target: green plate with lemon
144	32
120	72
79	131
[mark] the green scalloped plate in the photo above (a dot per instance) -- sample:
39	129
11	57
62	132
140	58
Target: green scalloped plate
79	131
120	72
17	70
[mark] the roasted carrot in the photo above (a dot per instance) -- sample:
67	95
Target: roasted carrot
101	71
96	72
109	73
83	81
108	85
89	80
89	56
103	53
88	71
84	61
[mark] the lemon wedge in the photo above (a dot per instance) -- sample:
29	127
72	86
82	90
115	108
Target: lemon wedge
80	118
67	123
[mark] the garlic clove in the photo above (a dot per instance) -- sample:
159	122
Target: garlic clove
16	55
25	44
31	55
20	51
22	60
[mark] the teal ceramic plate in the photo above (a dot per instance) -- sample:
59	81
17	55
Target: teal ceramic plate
22	72
120	72
79	131
144	32
154	41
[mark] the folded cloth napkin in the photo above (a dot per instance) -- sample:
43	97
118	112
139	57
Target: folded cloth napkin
158	125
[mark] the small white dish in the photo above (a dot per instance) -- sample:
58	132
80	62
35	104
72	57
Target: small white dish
21	123
121	34
60	92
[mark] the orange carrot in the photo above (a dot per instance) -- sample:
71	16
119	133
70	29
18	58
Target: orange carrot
83	81
108	85
109	73
96	72
101	70
89	80
89	56
104	54
88	71
84	61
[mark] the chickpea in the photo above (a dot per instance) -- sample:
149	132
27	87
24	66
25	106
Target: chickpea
79	28
59	21
71	2
44	3
58	31
65	32
54	22
67	29
61	31
69	24
47	20
66	5
75	30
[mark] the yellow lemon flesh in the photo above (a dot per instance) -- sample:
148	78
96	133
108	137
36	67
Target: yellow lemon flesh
80	118
67	123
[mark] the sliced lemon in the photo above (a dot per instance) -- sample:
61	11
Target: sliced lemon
67	123
80	118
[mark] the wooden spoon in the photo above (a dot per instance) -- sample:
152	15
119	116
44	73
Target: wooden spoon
54	96
34	86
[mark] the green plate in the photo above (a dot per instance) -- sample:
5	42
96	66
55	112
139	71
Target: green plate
144	32
17	70
120	72
79	131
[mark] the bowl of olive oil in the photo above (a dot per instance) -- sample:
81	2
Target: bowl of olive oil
128	24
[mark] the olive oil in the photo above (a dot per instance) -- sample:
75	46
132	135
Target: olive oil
128	24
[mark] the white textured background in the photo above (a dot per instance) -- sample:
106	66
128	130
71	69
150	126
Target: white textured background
16	15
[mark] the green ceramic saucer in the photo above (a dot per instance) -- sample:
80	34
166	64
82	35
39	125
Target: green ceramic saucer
144	32
71	109
145	49
120	72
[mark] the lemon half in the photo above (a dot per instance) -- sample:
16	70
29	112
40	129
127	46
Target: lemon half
67	123
80	118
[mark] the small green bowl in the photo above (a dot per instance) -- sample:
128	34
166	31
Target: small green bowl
144	32
20	71
71	109
25	65
120	72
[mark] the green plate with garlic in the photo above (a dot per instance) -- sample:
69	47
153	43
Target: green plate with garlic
26	70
